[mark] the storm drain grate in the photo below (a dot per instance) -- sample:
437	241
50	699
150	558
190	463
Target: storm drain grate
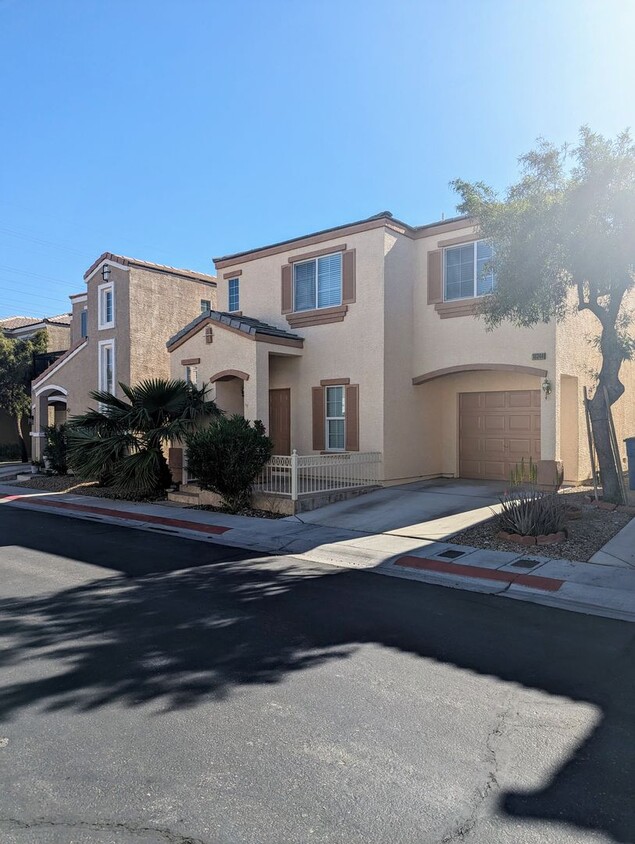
526	564
451	554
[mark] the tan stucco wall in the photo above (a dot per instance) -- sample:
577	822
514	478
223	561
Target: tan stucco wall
160	304
59	338
76	322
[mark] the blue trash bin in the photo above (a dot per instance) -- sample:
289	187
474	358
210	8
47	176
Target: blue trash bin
630	455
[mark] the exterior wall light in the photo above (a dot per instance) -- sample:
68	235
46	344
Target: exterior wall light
547	388
105	272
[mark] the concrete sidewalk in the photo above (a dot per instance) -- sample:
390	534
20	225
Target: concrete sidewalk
598	588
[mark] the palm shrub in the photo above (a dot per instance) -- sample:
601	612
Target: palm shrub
55	448
122	442
227	457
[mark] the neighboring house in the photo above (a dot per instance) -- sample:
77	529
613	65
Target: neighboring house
363	337
119	328
58	330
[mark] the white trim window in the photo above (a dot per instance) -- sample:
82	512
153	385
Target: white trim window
233	289
191	374
465	271
335	422
206	306
107	366
317	283
106	305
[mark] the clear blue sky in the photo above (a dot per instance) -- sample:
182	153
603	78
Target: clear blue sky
176	131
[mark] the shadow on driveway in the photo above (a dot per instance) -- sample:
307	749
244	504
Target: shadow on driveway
159	633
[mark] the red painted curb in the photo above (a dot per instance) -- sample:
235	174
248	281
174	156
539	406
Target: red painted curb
548	584
120	514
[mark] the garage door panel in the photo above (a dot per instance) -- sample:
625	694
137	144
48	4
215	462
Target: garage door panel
496	431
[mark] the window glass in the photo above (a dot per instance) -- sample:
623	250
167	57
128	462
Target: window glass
484	278
191	374
234	294
304	285
466	272
83	323
335	418
329	280
206	305
108	306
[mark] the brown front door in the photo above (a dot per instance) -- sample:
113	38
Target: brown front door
280	420
496	431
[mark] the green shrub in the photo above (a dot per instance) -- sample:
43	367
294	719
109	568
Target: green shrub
532	512
10	451
55	448
227	458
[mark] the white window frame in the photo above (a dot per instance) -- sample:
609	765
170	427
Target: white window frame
102	290
236	280
475	293
328	418
206	306
189	370
317	307
102	346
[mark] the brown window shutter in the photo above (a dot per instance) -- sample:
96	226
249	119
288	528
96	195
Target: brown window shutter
318	419
435	276
287	289
352	417
348	277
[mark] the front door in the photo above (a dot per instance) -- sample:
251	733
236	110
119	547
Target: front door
280	420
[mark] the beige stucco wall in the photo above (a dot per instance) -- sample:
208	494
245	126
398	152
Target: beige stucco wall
77	306
59	338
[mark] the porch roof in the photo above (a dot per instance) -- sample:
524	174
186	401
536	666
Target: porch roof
249	326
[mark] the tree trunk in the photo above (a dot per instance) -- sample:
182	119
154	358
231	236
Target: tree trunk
612	358
23	448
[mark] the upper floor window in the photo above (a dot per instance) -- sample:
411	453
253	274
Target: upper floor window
206	305
83	323
466	274
106	306
191	374
317	283
234	294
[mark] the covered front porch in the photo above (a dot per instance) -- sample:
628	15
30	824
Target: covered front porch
50	408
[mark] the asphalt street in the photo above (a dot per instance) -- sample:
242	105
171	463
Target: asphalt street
154	689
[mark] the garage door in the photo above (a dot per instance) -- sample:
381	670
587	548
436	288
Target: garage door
496	430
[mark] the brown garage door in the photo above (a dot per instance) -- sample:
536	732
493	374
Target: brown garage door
496	430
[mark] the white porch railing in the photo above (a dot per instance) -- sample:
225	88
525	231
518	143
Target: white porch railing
292	475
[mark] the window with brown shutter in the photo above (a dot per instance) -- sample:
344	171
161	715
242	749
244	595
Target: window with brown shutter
435	276
287	289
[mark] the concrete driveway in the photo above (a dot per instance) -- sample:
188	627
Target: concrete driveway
423	510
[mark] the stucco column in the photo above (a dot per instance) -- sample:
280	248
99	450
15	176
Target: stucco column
257	388
549	421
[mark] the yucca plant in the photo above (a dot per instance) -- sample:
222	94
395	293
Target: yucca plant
121	443
532	512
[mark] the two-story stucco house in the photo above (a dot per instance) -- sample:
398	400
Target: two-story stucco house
363	337
119	328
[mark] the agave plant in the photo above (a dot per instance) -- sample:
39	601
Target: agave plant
121	443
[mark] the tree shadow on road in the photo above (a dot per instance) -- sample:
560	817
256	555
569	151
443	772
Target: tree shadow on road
179	623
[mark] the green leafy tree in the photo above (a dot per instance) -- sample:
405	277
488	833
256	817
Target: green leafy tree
122	443
227	457
563	233
16	373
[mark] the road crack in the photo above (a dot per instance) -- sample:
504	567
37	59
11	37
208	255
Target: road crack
166	835
465	826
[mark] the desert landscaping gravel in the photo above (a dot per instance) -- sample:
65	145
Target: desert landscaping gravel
587	534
